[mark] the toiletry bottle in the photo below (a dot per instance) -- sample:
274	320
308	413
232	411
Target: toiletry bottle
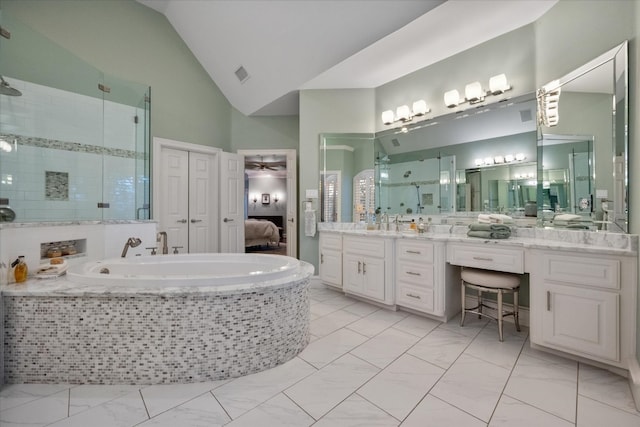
413	225
20	269
420	226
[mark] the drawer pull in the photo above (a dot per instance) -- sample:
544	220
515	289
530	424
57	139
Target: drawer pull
413	252
481	258
413	274
364	268
413	296
359	263
321	258
548	301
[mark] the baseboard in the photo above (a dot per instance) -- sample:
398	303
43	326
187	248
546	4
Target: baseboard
523	312
634	381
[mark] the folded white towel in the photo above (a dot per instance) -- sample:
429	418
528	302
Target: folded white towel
501	218
567	217
51	271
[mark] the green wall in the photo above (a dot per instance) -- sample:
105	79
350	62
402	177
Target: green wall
277	132
125	39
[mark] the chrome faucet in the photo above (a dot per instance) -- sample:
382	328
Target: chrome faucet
131	242
162	238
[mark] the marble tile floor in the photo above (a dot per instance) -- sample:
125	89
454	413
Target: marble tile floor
365	366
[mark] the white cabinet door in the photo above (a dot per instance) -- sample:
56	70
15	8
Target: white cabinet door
373	278
578	320
352	273
331	267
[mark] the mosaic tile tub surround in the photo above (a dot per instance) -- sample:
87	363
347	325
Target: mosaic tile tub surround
153	338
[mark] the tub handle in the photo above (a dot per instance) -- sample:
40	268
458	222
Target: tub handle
182	221
228	220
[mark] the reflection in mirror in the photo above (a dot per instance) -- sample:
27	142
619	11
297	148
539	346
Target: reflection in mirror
593	102
346	177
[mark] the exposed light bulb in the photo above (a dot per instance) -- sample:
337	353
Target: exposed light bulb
451	98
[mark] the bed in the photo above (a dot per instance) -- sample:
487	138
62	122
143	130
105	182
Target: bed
258	231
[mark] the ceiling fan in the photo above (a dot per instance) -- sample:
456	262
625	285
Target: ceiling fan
262	165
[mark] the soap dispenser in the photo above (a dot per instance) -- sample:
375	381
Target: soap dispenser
20	269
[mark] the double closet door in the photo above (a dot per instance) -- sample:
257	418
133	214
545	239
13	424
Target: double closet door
186	197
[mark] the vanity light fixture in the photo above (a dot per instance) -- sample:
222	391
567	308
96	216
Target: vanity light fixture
479	162
498	84
509	158
451	98
548	104
488	160
498	159
474	93
520	157
404	114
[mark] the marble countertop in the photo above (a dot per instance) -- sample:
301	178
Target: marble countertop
577	240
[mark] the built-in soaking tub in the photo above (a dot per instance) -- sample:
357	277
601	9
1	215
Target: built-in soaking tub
161	319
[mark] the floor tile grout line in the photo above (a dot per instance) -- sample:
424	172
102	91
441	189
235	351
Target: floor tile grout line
221	406
636	412
144	403
577	391
506	383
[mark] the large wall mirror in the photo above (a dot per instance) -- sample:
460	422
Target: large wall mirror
584	117
494	158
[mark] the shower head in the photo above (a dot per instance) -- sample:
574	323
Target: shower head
6	89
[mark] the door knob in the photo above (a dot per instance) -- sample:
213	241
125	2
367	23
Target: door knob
182	221
290	220
193	221
228	220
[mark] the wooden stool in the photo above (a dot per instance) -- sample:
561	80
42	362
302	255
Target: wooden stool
495	282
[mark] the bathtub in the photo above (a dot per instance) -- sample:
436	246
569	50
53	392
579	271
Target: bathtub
158	319
187	270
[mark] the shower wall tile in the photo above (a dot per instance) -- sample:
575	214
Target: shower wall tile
65	132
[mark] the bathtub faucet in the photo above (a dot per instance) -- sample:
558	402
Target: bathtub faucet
131	242
162	238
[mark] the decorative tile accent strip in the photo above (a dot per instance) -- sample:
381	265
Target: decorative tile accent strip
56	185
153	339
75	146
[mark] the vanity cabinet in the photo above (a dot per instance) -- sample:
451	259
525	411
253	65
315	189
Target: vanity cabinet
420	283
584	304
367	268
330	265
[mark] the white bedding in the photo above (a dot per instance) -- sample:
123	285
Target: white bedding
260	232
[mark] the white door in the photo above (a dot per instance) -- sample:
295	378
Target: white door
231	202
185	194
203	236
174	201
292	191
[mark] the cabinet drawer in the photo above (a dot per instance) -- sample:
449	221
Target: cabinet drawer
417	298
364	246
480	256
586	271
415	251
331	241
418	274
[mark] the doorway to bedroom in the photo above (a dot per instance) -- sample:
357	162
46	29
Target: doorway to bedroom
270	201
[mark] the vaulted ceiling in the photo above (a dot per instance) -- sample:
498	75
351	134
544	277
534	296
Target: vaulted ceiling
288	45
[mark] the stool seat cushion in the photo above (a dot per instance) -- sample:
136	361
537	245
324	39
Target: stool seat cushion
490	278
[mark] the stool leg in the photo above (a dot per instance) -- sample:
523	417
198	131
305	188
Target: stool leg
500	314
516	310
463	295
479	304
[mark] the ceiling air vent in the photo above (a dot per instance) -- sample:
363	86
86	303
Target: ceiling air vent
395	142
242	74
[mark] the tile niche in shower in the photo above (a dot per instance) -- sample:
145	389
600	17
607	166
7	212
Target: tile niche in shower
56	185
